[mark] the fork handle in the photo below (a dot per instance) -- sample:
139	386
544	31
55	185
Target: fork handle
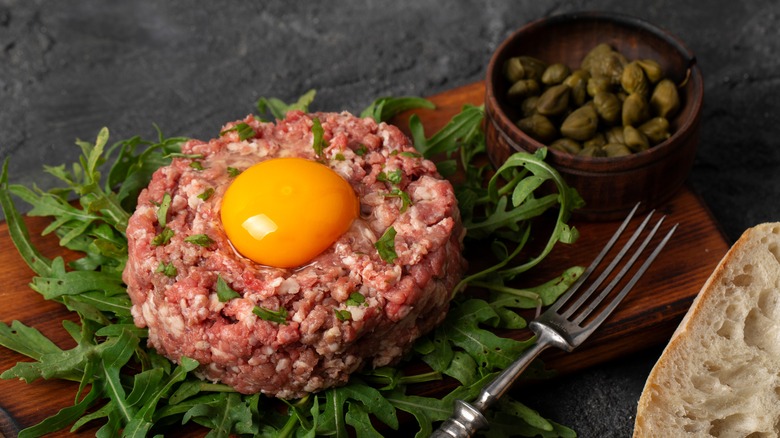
468	418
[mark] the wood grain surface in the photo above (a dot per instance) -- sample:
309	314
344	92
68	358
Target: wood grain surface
646	318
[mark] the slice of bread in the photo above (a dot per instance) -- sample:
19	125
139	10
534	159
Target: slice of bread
719	376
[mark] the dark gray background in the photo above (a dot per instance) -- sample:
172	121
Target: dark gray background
68	68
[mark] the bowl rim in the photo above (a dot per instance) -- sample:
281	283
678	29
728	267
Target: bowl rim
498	117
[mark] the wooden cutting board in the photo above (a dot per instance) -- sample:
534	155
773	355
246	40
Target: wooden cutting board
646	318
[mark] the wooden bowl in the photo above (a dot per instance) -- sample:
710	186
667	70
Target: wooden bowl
610	186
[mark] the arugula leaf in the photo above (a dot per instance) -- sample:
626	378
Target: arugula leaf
385	108
279	109
200	239
243	129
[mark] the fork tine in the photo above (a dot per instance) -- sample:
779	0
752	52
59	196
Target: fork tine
584	314
595	285
589	270
614	303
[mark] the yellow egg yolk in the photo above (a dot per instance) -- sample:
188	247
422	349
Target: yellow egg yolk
284	212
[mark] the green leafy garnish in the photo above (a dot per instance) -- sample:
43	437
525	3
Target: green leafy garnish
200	240
278	316
168	269
224	292
164	237
355	299
385	245
197	165
406	201
342	315
279	109
233	172
361	150
135	392
206	194
385	108
318	142
162	211
244	130
393	177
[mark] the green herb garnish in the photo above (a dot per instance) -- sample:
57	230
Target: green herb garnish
168	269
243	129
385	246
393	177
318	142
197	165
278	316
342	315
200	240
206	194
361	150
406	201
164	237
224	292
279	109
233	172
162	210
385	108
355	299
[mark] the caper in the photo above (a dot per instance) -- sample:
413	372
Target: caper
597	140
615	135
608	106
539	127
665	99
656	129
635	139
633	79
616	150
597	84
577	81
513	70
555	74
533	67
566	145
604	61
592	151
652	69
522	89
554	100
528	106
581	124
635	110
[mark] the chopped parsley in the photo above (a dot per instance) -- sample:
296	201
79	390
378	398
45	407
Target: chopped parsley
197	165
386	246
342	315
200	240
277	316
361	150
243	129
206	194
162	211
168	269
406	201
233	172
355	299
224	292
318	142
164	237
393	177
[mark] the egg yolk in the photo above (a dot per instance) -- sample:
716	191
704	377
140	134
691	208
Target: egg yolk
284	212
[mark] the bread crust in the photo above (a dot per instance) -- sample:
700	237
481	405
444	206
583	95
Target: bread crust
719	373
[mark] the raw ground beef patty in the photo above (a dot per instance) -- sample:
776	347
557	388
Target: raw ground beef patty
173	283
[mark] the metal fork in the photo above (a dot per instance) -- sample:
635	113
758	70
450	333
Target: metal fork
562	328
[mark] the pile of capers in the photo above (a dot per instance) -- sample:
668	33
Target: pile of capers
609	107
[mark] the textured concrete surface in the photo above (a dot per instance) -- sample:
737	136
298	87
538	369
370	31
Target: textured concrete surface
67	68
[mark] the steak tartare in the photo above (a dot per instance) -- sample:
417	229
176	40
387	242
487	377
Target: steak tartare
347	308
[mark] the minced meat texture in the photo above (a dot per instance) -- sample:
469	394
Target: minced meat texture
172	281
